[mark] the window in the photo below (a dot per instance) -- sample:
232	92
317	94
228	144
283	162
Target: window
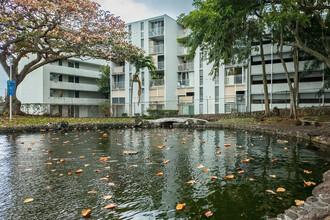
76	65
76	94
70	64
70	79
234	76
217	94
200	60
200	94
142	30
60	63
51	93
60	93
51	77
76	79
60	78
70	93
142	43
142	78
201	77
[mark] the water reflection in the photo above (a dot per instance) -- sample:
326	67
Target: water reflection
137	192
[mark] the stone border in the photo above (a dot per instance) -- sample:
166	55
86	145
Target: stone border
63	126
316	207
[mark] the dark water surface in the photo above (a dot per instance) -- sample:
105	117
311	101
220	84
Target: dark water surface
138	193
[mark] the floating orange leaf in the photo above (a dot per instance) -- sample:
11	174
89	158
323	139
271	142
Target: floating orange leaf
251	179
49	163
110	206
90	192
213	177
159	174
32	142
111	184
147	158
191	181
107	197
105	135
218	152
308	172
28	200
78	171
166	161
280	189
200	166
298	202
69	173
309	183
270	191
94	153
275	160
241	172
246	160
81	157
180	207
230	176
226	145
285	148
208	214
29	148
103	159
217	146
86	213
86	165
272	176
69	152
206	170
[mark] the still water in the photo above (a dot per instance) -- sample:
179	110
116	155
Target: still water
136	190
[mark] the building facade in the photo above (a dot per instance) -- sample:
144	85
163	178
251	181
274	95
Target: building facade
66	88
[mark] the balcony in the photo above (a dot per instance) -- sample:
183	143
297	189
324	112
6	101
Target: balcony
183	50
234	79
156	82
156	49
118	85
154	32
186	67
185	83
160	65
74	101
119	70
184	33
73	86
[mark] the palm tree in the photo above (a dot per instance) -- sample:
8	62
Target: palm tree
140	61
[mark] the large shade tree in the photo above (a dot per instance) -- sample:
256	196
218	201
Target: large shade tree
53	30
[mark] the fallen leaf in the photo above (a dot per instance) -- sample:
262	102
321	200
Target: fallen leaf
110	206
86	165
180	207
78	171
159	174
217	146
251	179
285	148
309	183
111	184
191	181
230	176
94	153
308	172
62	160
298	202
270	191
213	177
103	159
280	189
86	213
226	145
241	172
49	163
107	197
32	142
275	160
206	170
89	192
105	135
200	166
208	214
69	173
81	157
272	176
246	160
166	161
97	170
28	200
218	152
134	165
29	148
69	152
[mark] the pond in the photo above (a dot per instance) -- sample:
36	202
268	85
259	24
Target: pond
38	166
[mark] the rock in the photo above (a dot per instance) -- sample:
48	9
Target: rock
138	122
326	176
323	188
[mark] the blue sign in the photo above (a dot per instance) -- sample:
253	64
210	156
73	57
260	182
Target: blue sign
11	87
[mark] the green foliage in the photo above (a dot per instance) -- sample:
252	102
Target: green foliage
104	81
162	113
223	29
106	108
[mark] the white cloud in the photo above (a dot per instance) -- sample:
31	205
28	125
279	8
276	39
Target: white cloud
128	10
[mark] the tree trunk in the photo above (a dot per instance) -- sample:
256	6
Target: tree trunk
264	78
16	106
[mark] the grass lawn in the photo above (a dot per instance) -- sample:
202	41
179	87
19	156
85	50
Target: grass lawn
42	120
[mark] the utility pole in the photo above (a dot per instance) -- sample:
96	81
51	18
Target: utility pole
10	96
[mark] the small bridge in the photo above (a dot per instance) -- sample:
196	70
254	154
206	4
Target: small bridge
168	122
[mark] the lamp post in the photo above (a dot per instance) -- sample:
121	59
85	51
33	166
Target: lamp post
10	96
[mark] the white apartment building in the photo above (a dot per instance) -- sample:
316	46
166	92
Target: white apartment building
66	88
186	85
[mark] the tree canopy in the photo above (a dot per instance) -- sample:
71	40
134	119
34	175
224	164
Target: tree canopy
104	81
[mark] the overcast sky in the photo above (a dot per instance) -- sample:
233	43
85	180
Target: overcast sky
132	10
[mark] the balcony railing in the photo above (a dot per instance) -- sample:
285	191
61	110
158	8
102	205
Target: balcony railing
186	66
184	33
160	65
156	82
234	79
118	85
157	49
119	70
185	83
183	50
156	32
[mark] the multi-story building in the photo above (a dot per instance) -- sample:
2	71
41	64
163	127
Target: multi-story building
66	88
